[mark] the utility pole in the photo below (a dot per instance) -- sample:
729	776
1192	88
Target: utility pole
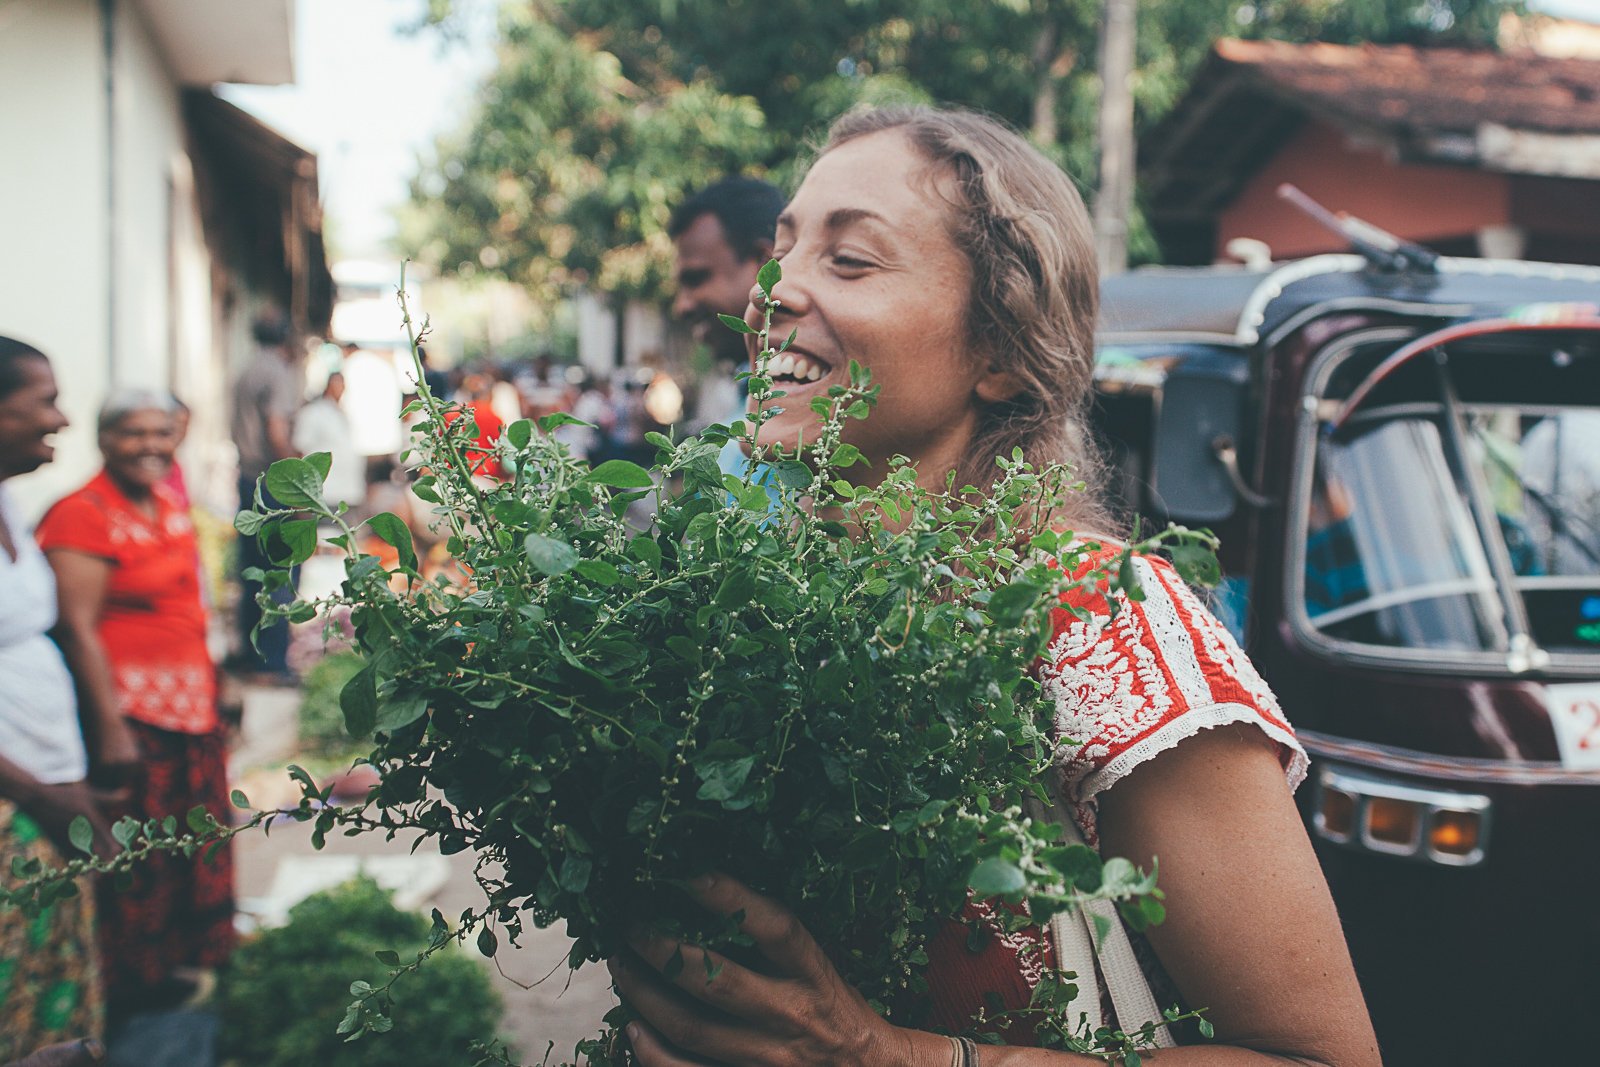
1115	199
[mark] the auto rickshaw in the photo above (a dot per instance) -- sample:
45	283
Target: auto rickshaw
1401	456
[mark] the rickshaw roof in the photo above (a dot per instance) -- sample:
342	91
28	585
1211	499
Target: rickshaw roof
1236	306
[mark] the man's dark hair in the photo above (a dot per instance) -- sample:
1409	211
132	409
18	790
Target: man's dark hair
12	353
271	328
747	208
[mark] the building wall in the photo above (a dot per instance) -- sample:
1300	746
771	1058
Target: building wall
1423	203
58	289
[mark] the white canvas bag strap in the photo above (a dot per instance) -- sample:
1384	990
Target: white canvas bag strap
1077	950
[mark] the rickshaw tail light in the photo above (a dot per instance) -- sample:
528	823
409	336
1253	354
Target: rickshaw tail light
1338	813
1455	833
1394	822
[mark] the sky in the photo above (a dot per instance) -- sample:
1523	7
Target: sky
368	98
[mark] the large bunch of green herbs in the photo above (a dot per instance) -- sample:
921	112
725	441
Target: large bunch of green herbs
822	687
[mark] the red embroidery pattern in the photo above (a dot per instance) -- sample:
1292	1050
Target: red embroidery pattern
1163	670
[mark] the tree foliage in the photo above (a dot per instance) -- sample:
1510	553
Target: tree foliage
604	112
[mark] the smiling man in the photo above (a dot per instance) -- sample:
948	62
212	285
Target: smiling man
721	236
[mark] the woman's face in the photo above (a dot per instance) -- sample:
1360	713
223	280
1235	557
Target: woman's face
870	273
28	417
138	449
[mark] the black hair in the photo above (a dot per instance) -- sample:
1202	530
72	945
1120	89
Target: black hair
747	208
271	328
12	353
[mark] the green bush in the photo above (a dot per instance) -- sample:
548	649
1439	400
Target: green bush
287	990
321	722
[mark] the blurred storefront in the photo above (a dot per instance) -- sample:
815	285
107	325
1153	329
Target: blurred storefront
146	219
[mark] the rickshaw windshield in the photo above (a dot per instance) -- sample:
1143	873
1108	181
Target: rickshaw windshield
1419	500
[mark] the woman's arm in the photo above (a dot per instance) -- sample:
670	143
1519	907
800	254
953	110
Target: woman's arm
1251	935
54	807
81	582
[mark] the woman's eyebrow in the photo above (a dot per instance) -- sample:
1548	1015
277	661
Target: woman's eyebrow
836	218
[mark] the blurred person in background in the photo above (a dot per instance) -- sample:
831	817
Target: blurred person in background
266	398
437	381
180	430
721	236
133	630
50	965
321	426
485	463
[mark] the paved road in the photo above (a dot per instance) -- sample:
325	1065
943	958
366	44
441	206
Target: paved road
559	1006
562	1008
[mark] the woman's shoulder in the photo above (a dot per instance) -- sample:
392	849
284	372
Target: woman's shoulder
1129	686
79	520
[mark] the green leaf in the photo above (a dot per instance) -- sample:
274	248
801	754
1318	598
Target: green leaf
846	455
199	819
1207	1031
1195	564
737	589
644	549
736	324
549	555
519	433
395	533
488	944
674	965
388	957
400	711
574	876
769	275
723	778
249	523
620	474
323	462
597	571
793	474
1010	603
358	700
291	542
295	482
81	834
239	800
557	420
650	747
996	877
685	647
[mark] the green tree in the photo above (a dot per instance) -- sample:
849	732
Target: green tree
604	111
569	171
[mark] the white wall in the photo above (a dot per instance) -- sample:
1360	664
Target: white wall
55	288
53	215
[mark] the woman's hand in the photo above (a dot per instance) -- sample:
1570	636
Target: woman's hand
798	1014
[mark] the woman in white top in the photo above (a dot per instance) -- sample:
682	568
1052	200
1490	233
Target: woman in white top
54	990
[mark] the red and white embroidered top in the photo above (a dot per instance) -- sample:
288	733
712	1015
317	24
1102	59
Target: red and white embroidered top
1128	689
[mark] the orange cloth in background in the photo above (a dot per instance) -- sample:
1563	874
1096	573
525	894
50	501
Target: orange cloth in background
490	427
152	623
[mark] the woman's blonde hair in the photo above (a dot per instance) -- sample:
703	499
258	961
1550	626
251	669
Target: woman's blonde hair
1035	288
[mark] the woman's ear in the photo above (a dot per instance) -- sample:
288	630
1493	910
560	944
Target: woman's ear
996	386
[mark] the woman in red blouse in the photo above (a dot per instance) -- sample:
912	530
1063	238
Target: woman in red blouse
134	631
946	254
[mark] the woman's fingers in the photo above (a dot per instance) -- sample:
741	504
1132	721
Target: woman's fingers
718	981
681	1020
777	933
652	1051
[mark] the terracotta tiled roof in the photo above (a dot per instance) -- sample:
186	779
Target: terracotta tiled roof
1425	89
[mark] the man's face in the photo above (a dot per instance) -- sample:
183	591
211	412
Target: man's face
712	281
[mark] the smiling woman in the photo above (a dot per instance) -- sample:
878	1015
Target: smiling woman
133	629
948	257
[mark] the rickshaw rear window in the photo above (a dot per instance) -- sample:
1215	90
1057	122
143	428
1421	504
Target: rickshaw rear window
1396	553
